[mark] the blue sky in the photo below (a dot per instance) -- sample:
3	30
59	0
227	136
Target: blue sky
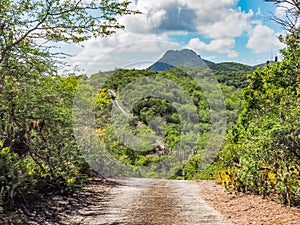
218	30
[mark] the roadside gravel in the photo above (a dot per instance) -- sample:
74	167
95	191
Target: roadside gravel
247	209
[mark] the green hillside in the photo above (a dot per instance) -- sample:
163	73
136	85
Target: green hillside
146	112
232	66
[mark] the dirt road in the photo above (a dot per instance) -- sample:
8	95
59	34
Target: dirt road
150	201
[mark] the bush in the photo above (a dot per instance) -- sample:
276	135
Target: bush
262	152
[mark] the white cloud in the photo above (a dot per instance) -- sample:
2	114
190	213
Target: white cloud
217	20
263	39
282	8
258	13
233	54
225	23
120	50
160	16
218	45
213	18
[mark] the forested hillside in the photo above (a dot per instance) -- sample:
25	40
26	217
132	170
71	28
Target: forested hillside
161	117
38	149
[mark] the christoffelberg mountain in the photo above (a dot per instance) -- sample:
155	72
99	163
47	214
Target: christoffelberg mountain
179	58
189	58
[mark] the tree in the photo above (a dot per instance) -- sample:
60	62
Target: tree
291	8
25	28
24	24
36	141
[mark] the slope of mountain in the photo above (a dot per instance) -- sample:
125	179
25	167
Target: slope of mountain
189	58
179	58
263	65
232	66
229	73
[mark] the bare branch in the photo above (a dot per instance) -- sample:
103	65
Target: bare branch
292	13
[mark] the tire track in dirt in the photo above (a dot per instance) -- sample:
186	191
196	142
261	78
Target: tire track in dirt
156	206
173	202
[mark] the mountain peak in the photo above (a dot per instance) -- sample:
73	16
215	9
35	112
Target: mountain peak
179	58
186	52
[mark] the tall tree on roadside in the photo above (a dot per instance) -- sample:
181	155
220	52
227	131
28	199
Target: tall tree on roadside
27	27
35	103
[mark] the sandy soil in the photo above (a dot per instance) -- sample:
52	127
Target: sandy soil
247	209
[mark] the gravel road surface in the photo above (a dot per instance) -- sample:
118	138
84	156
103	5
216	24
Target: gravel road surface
149	201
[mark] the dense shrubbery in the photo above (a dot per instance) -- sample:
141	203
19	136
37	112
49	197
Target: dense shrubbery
37	146
262	154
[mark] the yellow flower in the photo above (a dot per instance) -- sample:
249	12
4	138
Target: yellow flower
272	176
70	180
